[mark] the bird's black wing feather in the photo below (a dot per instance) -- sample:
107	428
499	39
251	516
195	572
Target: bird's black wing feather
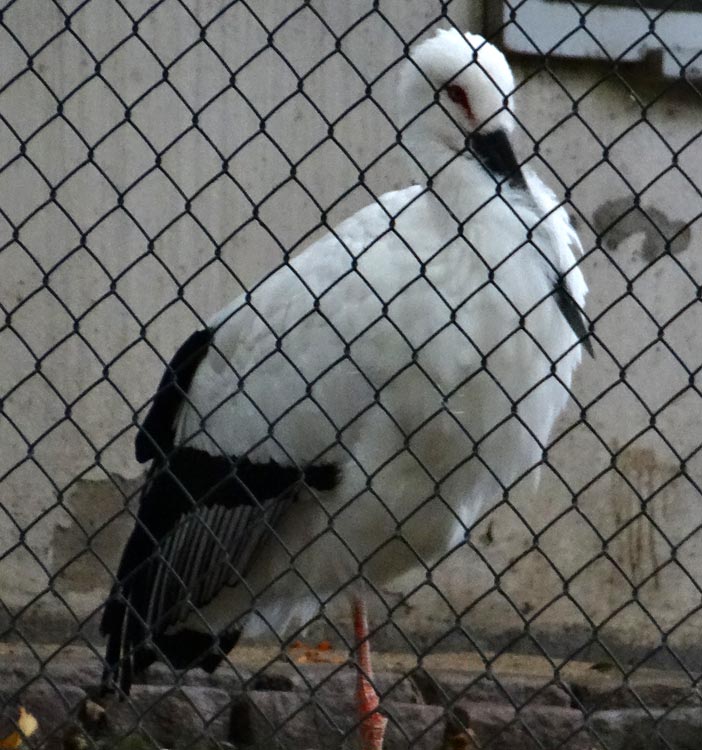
157	433
202	519
572	313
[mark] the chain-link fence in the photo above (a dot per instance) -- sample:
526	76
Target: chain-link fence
160	159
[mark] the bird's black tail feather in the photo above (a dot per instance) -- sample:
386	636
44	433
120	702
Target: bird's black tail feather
129	647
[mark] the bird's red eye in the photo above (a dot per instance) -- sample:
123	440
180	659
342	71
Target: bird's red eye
458	95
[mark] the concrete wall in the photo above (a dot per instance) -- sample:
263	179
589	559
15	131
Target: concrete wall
89	269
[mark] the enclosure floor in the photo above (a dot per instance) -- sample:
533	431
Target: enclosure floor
253	658
303	698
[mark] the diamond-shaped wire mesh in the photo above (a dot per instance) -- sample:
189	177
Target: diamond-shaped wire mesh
160	159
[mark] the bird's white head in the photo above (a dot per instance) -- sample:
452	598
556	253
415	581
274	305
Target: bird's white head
454	85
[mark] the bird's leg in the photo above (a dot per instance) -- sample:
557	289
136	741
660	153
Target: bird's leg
372	722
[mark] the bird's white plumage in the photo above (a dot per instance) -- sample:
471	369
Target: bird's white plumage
413	346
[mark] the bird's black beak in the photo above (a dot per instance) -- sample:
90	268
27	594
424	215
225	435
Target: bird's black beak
494	151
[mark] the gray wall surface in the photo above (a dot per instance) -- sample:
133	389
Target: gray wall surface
103	272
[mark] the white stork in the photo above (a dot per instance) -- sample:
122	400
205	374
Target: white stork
346	421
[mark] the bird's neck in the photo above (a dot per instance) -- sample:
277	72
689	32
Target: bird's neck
459	180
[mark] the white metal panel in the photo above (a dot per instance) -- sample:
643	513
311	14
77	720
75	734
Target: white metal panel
605	31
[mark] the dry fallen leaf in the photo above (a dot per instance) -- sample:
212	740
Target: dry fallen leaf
313	656
26	724
320	654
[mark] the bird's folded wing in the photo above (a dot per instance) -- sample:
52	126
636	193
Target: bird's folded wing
201	521
209	548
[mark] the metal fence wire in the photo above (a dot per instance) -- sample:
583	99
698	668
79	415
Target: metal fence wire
160	159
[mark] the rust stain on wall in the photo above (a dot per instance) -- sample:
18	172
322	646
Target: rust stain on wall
637	510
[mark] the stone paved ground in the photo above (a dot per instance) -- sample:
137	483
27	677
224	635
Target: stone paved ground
449	702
